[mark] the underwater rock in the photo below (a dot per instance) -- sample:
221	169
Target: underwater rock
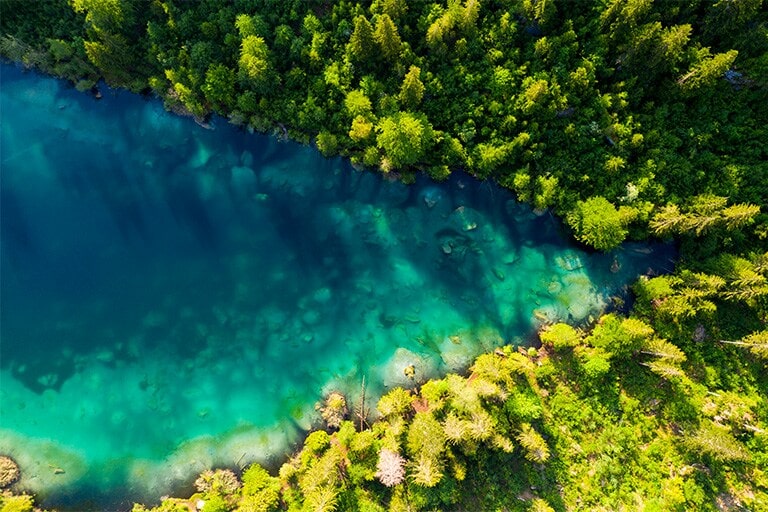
154	319
48	380
569	261
457	356
520	212
322	295
311	317
546	315
387	321
242	178
431	196
464	219
554	287
105	356
9	471
393	373
579	310
246	158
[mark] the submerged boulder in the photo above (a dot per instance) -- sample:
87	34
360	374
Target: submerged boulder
464	219
405	368
242	178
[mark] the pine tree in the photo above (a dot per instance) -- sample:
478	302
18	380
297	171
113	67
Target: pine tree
738	215
757	343
717	442
387	37
672	44
362	45
254	56
536	449
707	71
427	471
412	89
663	350
669	221
396	9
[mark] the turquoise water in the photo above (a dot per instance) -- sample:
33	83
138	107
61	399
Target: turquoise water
176	297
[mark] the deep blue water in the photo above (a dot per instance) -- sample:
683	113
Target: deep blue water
175	297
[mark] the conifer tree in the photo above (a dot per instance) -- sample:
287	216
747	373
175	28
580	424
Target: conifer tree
412	89
738	215
254	56
362	45
536	449
707	71
668	221
717	442
396	9
387	37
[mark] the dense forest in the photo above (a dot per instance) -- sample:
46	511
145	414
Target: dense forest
630	119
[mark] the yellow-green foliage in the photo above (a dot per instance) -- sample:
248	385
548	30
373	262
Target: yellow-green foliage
560	336
16	503
261	492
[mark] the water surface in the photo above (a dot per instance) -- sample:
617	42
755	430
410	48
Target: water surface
175	297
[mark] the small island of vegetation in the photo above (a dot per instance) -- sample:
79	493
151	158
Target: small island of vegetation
630	119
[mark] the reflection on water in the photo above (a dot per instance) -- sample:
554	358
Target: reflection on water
175	297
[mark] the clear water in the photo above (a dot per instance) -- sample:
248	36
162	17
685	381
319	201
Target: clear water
175	297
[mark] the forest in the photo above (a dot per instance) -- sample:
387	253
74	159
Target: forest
629	119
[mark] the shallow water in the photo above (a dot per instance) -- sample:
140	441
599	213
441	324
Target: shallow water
175	297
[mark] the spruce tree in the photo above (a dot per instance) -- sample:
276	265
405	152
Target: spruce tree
362	45
387	37
412	89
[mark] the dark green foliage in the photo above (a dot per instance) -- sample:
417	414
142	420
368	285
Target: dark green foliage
642	103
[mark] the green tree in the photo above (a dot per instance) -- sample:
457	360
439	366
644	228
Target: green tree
757	343
716	441
261	492
739	215
412	89
254	59
536	449
620	337
405	138
395	9
219	87
357	103
387	37
101	15
597	223
669	220
361	129
362	44
707	71
560	336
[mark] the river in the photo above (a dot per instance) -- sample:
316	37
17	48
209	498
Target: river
176	297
